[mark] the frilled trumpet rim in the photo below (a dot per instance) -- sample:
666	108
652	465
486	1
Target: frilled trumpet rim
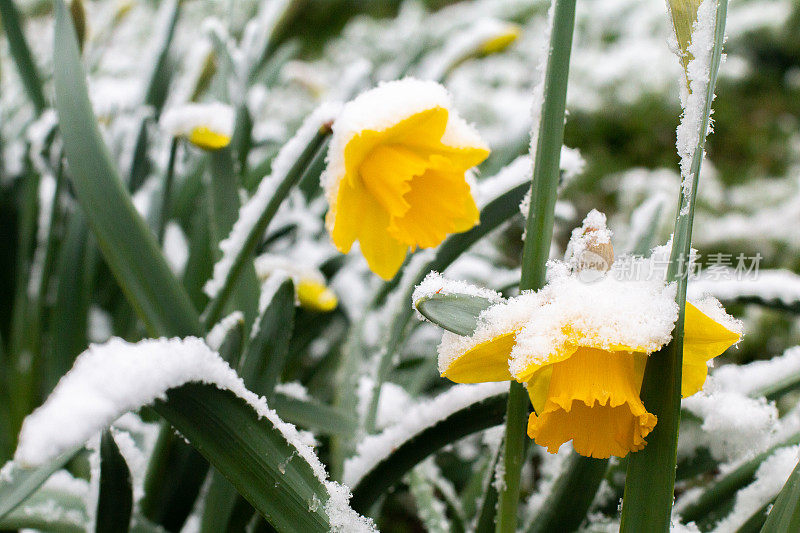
593	400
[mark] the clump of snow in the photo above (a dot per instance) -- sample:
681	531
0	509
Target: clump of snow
393	402
770	478
758	375
610	311
606	313
293	389
216	336
736	425
100	325
374	448
176	248
252	210
435	283
343	519
769	285
692	130
572	164
384	106
592	234
180	121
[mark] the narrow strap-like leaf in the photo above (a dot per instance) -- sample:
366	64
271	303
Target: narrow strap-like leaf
115	500
476	417
251	453
785	514
127	243
650	481
22	54
161	72
49	509
20	482
313	415
569	499
265	354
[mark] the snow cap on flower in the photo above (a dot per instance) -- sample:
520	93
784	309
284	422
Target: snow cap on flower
395	175
311	291
208	126
498	35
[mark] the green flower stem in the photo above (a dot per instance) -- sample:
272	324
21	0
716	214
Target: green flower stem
539	232
649	488
166	192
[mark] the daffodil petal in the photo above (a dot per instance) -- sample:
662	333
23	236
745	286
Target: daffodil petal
316	296
383	253
204	137
488	361
704	338
345	229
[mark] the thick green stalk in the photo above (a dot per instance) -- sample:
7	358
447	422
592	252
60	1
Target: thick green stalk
539	235
649	488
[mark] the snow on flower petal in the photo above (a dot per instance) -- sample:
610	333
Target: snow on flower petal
395	175
208	126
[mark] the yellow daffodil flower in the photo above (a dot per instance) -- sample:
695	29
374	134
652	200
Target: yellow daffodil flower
502	39
207	126
395	178
311	291
581	348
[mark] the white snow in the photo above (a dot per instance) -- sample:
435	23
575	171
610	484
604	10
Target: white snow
374	448
176	248
588	236
111	379
770	477
769	285
180	121
251	211
293	389
603	313
736	424
756	376
216	336
691	130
